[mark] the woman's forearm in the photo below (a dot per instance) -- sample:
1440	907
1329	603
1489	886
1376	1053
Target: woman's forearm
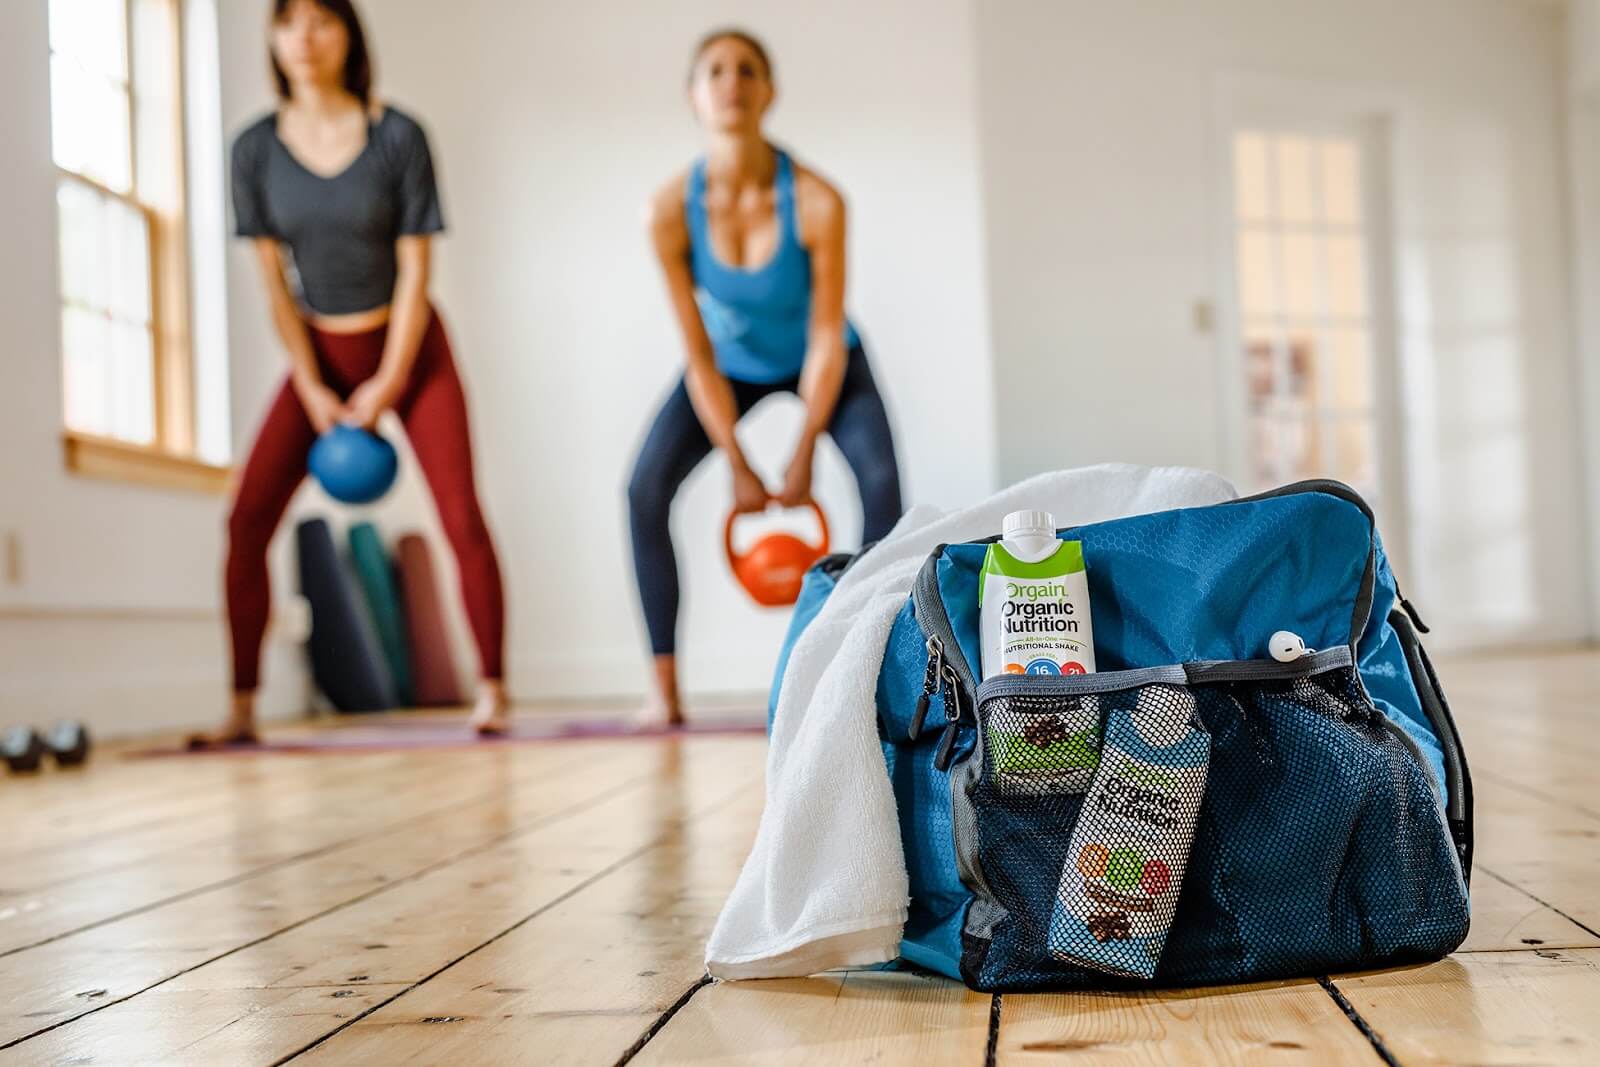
286	318
296	339
409	316
821	379
712	397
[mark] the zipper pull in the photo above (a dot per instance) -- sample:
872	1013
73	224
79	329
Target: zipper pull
952	721
1416	620
947	744
930	681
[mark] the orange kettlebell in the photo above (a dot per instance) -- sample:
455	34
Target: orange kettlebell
772	569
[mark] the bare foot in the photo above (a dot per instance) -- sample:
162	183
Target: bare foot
238	729
658	714
665	706
491	715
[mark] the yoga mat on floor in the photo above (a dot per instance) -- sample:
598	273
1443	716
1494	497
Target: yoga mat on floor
346	662
433	674
375	575
455	733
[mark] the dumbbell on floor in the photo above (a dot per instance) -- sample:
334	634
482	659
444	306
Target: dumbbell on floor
22	748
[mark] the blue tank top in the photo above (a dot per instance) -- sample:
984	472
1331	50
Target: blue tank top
756	319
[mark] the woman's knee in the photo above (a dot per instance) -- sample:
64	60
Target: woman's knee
250	524
649	494
464	527
879	482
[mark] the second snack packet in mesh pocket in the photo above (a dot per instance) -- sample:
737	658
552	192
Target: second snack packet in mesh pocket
1128	852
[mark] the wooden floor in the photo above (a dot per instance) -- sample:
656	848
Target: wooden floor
547	903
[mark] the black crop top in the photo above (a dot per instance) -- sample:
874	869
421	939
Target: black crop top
341	230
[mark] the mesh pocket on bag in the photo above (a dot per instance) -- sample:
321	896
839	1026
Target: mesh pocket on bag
1317	842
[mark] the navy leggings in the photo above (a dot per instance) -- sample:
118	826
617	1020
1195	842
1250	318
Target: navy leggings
677	443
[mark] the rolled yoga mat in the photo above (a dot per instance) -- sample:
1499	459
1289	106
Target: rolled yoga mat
376	575
433	674
346	662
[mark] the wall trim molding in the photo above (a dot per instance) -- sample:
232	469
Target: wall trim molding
106	613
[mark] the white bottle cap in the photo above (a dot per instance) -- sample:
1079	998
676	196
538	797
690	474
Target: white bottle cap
1028	524
1162	713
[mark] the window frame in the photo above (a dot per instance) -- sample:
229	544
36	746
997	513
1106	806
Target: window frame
170	461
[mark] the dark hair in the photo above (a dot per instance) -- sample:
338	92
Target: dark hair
726	33
357	62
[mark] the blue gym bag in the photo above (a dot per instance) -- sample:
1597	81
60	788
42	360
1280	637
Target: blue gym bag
1335	828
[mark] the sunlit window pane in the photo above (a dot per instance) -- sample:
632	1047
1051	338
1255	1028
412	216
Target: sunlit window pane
86	348
83	273
133	376
1301	284
93	33
1298	372
1347	277
105	253
1282	448
1261	351
1296	202
89	124
1252	199
1341	181
1257	294
1353	452
1349	369
108	376
128	260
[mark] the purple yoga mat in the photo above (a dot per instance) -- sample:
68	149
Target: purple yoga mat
391	736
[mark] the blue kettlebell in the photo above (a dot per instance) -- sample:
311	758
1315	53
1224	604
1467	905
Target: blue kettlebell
353	465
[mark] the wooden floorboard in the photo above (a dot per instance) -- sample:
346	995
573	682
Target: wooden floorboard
1539	1007
585	980
1543	847
282	827
399	936
1506	918
548	903
836	1018
1281	1022
63	979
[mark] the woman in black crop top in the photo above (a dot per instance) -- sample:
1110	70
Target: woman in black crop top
337	193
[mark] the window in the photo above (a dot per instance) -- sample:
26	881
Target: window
117	140
1306	321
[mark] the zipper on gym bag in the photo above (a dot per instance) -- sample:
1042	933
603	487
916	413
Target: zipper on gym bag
947	673
939	677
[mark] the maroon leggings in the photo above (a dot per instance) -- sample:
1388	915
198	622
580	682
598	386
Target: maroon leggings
434	412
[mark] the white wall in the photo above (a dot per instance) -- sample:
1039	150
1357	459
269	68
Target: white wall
1102	158
551	124
1583	139
113	615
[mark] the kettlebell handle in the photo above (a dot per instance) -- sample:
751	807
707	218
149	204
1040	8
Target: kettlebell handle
733	517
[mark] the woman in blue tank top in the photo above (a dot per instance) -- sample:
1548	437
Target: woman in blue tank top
753	248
